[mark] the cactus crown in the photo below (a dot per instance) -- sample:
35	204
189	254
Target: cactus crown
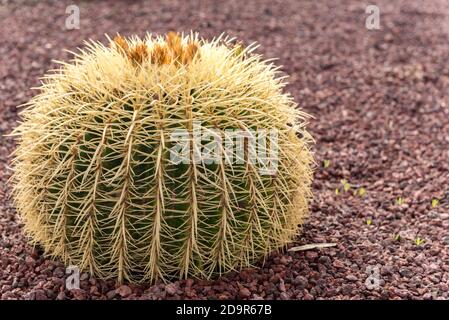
94	180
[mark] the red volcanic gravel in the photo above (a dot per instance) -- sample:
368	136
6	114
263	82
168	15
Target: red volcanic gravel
381	121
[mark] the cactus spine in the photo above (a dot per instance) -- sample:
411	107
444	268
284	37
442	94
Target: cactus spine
94	180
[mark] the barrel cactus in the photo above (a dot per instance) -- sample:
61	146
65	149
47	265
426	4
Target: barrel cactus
128	163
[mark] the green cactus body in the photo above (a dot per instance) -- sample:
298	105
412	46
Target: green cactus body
95	183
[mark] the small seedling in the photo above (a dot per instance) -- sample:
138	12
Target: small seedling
337	191
400	201
361	192
326	164
397	237
418	241
346	185
435	202
369	221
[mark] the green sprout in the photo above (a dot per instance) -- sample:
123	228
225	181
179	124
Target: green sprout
435	202
326	164
400	201
369	221
346	185
361	192
418	241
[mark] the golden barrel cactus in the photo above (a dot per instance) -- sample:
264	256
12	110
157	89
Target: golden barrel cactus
128	163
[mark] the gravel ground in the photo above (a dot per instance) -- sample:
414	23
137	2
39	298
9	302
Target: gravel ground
381	108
